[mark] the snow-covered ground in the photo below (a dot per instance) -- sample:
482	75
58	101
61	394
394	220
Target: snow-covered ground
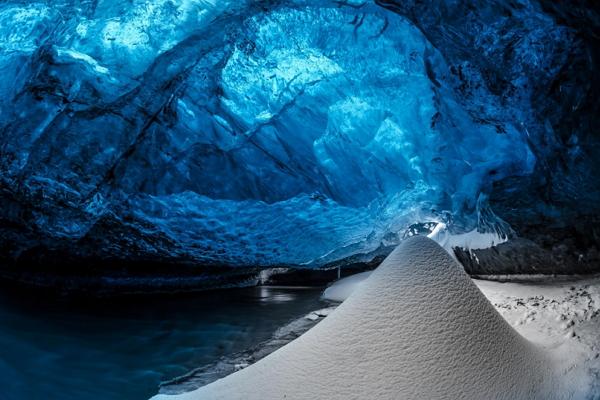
419	327
562	314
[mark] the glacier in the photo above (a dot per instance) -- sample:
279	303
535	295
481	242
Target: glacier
293	133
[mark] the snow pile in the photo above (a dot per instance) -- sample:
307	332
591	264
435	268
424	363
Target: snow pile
343	288
417	328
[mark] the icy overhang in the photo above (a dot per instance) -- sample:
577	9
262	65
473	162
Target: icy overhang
299	133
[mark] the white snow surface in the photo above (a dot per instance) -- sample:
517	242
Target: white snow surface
417	328
343	288
560	314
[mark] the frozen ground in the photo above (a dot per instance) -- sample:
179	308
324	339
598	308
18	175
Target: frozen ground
420	328
562	314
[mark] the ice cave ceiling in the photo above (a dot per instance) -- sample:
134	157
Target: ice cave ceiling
294	132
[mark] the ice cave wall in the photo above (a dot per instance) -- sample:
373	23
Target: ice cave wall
294	132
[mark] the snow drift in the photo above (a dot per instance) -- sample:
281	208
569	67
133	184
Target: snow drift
418	328
344	287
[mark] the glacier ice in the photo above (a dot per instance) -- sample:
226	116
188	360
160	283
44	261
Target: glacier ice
250	133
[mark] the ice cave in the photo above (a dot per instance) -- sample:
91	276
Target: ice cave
266	199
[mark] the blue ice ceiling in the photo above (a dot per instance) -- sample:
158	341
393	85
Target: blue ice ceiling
262	133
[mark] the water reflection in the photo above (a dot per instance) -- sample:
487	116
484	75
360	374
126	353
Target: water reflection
121	349
269	294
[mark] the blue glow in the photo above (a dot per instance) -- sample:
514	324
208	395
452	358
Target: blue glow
231	133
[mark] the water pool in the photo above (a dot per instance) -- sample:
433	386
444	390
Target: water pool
121	349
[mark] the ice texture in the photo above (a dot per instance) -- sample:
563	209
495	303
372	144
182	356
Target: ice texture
293	133
417	328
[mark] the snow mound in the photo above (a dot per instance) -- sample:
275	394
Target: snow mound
343	288
418	328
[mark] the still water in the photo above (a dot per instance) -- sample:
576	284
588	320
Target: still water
122	349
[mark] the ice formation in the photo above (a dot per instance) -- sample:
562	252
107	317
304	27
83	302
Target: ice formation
297	132
418	328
